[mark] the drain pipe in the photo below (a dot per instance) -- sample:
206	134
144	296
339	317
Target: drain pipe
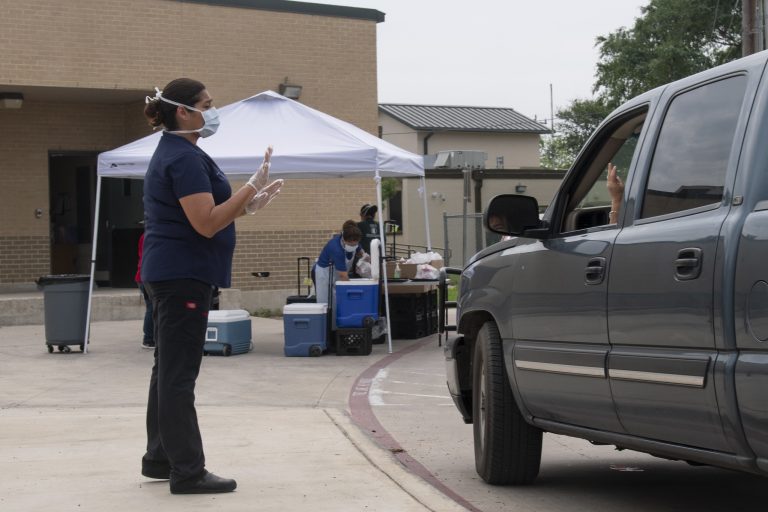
425	142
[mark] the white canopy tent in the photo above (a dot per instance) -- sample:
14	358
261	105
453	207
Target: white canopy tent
307	142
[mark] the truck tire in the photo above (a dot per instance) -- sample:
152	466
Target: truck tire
507	448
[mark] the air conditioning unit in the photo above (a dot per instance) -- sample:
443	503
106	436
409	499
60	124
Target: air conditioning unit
461	160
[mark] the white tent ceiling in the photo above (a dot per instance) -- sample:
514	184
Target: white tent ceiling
307	142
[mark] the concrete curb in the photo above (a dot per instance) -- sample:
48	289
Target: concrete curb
382	460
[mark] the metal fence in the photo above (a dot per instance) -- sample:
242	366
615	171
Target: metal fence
464	236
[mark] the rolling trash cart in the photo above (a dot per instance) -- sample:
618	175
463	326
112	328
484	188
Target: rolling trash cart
65	301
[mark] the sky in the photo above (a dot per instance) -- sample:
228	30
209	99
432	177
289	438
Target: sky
496	53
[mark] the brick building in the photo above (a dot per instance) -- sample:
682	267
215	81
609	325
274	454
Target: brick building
82	68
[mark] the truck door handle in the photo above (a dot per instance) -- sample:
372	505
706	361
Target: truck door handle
688	264
595	271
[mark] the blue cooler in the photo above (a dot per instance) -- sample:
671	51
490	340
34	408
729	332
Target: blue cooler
305	327
228	332
356	301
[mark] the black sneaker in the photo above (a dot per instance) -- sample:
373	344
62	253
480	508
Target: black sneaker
148	344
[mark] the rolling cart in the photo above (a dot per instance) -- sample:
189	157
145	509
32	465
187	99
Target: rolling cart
302	279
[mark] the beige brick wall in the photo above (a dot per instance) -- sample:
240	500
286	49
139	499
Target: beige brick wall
133	46
236	52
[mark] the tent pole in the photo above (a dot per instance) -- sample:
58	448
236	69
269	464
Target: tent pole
93	264
426	212
383	269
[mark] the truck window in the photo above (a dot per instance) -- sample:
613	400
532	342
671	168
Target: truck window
589	201
691	156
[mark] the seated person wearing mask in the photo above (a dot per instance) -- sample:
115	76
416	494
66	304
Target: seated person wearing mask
337	259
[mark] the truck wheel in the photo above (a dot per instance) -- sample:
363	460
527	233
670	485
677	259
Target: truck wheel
507	449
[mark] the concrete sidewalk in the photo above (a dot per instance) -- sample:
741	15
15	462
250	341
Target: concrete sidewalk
72	429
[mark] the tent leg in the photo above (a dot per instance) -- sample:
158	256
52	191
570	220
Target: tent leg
93	266
383	269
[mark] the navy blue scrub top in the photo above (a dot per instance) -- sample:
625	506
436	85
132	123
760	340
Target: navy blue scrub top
334	254
172	247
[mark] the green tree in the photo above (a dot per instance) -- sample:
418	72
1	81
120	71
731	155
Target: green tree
670	40
576	124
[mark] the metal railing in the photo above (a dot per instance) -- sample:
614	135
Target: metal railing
443	304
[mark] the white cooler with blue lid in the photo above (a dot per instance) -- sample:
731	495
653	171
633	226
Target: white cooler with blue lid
305	326
228	332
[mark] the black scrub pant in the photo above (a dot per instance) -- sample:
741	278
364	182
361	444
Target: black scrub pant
180	311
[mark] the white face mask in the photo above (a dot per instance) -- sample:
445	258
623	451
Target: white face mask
350	248
210	118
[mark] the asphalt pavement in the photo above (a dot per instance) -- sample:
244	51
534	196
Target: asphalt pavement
72	429
333	433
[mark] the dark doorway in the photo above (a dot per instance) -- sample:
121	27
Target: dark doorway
72	192
122	210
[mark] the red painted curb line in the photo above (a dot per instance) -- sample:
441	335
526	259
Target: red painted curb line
363	416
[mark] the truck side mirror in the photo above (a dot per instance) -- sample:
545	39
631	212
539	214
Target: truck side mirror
512	214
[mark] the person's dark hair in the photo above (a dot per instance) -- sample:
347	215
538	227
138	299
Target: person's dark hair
368	210
182	90
350	232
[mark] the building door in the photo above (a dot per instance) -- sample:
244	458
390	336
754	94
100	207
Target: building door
72	192
122	210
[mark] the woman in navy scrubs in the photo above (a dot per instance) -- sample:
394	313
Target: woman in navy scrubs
189	241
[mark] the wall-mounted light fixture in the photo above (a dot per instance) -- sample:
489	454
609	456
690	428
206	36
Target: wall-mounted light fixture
438	195
520	188
11	99
290	90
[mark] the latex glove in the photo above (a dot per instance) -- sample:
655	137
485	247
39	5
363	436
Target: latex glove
260	178
263	198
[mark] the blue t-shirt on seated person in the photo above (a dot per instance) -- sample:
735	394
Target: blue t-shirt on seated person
334	254
172	247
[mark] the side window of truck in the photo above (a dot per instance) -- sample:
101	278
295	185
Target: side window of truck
589	202
691	156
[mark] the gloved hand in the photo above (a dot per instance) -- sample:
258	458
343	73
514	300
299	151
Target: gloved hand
260	178
263	198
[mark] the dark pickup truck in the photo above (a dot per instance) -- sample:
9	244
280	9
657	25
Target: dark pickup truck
649	333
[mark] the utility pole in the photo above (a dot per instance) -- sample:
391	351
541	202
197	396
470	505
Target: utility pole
551	110
749	29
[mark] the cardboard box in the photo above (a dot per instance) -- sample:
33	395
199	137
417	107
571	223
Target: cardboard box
411	288
407	270
438	264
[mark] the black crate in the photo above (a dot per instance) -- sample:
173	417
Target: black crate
426	301
408	304
411	329
353	342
